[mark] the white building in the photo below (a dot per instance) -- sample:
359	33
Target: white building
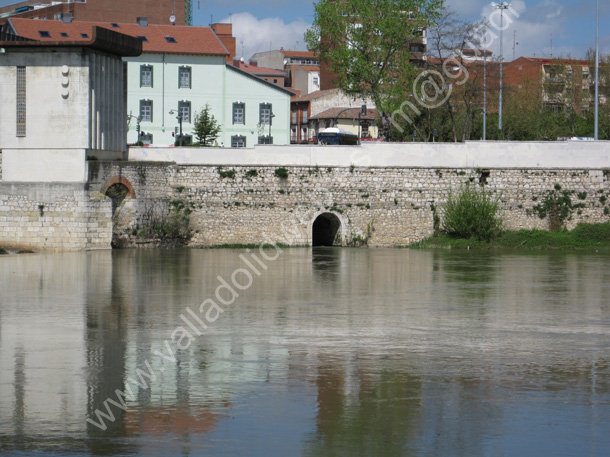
181	70
62	103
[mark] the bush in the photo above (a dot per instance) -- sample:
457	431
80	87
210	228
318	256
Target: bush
472	213
281	172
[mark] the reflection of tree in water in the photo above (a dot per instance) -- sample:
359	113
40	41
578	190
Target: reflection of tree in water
364	412
472	274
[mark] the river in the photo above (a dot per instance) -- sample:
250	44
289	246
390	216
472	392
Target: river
305	352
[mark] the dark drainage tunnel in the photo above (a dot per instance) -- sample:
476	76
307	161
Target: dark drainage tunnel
325	229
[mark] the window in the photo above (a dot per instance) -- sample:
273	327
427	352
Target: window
238	141
265	113
143	38
84	35
294	117
64	34
265	140
304	115
146	110
170	39
44	34
21	101
239	113
184	77
146	76
316	81
184	110
275	81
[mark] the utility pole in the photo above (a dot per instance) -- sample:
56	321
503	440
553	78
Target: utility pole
596	134
485	95
501	6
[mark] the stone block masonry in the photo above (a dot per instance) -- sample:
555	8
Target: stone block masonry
383	206
61	217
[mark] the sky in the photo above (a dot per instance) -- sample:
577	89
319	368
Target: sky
261	25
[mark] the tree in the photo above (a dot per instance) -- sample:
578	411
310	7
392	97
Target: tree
447	40
206	127
370	45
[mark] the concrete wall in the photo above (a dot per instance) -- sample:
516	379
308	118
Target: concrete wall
543	155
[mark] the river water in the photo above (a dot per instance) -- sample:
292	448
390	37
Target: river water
323	352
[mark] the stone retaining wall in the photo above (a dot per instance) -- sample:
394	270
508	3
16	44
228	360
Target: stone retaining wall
61	217
384	206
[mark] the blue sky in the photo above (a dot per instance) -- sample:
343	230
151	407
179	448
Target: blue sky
263	24
569	23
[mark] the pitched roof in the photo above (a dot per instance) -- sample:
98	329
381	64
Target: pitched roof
345	113
260	80
256	70
315	95
300	54
101	39
166	39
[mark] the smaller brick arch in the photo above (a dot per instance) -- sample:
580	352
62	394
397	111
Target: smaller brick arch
131	193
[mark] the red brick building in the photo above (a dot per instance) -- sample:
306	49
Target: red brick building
125	11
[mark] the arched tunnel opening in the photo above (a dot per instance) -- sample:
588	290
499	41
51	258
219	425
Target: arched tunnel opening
325	230
117	193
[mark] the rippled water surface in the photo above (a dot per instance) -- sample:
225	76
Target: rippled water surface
324	352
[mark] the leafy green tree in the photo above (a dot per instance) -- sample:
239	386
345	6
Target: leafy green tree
370	46
206	126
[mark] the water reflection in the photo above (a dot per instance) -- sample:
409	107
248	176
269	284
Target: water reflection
330	352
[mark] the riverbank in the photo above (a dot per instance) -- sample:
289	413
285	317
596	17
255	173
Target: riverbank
584	236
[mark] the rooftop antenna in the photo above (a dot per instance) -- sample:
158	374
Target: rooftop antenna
172	18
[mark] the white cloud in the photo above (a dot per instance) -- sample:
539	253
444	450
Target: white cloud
259	35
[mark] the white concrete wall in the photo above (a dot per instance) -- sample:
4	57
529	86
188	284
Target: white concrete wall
44	165
489	154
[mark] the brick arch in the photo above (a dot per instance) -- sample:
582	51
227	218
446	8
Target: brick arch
131	193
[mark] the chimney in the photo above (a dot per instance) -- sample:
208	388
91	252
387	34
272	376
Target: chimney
66	18
142	21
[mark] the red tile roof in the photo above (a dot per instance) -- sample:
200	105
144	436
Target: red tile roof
300	54
256	70
159	38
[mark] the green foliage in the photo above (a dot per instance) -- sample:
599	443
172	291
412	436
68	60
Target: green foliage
557	205
170	225
251	173
584	236
367	45
472	213
281	172
226	173
206	127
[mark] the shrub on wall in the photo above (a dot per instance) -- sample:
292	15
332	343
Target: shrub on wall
472	213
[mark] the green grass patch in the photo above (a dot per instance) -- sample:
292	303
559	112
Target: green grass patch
584	236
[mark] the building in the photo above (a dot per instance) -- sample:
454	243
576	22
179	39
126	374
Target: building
63	102
268	74
180	71
301	68
562	84
349	119
305	109
157	11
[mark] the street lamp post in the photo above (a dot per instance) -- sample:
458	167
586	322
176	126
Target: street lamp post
501	6
179	117
597	73
271	116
